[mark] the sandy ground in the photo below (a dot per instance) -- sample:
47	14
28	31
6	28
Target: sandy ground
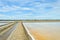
18	33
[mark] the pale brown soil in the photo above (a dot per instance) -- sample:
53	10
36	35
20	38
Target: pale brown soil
18	34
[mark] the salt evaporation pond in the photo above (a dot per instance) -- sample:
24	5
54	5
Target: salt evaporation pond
3	23
44	30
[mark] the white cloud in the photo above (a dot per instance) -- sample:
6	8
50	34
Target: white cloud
8	8
13	8
26	8
37	7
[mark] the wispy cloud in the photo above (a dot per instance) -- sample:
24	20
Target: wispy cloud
13	8
30	9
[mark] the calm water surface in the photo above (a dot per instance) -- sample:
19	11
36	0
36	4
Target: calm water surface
3	23
51	30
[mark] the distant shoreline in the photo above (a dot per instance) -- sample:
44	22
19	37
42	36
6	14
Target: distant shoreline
30	20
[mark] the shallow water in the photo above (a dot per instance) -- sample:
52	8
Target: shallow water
7	33
3	23
49	30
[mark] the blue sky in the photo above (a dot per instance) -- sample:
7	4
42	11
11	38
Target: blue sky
29	9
